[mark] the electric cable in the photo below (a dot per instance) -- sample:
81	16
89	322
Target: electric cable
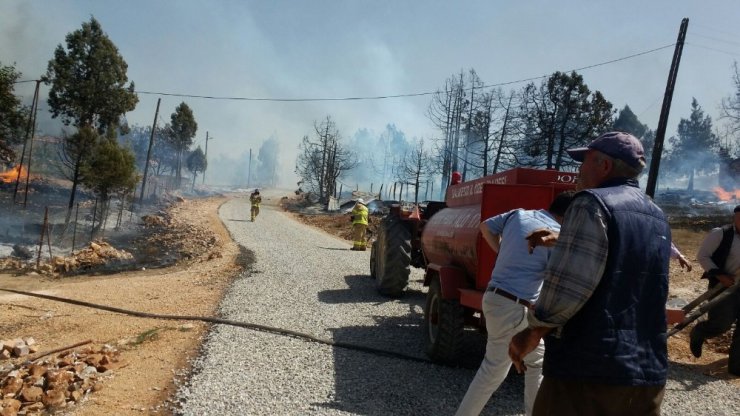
731	42
714	29
382	97
712	49
247	325
390	96
656	101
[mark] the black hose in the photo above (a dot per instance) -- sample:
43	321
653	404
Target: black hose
256	327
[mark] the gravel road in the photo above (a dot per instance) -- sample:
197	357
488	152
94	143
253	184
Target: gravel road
307	281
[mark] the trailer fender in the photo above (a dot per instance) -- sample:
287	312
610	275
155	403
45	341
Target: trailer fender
451	279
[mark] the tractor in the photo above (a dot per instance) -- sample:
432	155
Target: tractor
443	239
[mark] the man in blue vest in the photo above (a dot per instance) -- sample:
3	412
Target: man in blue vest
602	305
719	256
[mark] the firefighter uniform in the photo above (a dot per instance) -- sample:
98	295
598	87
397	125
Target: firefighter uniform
359	225
255	199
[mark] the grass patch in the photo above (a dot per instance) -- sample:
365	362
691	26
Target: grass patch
149	335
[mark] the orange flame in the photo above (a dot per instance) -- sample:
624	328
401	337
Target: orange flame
9	176
725	195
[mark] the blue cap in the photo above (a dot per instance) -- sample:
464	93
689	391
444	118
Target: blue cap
622	146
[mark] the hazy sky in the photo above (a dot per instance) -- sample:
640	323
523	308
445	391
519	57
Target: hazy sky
317	49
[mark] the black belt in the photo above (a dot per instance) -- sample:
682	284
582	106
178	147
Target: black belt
509	296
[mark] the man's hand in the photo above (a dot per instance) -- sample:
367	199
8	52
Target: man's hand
684	263
523	343
541	237
726	280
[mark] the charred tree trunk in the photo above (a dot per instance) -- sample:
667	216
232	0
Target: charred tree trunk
75	181
503	135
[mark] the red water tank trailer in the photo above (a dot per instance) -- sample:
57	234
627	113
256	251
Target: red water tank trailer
451	237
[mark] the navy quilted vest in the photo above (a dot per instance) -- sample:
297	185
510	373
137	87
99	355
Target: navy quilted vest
619	336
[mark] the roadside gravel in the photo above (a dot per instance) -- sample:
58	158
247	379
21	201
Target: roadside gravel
307	281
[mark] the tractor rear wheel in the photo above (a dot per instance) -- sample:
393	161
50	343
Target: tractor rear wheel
373	258
444	324
392	254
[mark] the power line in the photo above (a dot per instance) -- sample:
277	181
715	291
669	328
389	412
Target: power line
656	101
724	32
583	68
210	97
382	97
716	39
713	49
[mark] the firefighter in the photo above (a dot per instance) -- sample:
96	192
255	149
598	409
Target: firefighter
255	199
359	225
456	178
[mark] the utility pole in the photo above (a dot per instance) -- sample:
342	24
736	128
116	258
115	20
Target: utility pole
31	121
249	173
149	152
204	170
665	110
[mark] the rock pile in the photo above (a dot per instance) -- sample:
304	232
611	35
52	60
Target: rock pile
154	221
10	263
169	237
41	386
19	347
96	254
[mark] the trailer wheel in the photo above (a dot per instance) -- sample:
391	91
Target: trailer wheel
444	324
392	253
373	258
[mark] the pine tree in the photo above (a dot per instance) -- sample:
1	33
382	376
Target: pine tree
88	89
695	148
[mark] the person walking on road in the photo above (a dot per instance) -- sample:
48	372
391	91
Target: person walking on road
359	225
602	305
255	199
515	283
719	256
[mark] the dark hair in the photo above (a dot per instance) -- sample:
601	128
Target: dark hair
561	203
737	209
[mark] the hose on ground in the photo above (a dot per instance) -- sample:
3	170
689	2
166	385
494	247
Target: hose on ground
255	327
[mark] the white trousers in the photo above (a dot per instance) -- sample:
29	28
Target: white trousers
504	318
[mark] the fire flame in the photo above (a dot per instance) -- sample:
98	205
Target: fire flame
725	195
9	176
